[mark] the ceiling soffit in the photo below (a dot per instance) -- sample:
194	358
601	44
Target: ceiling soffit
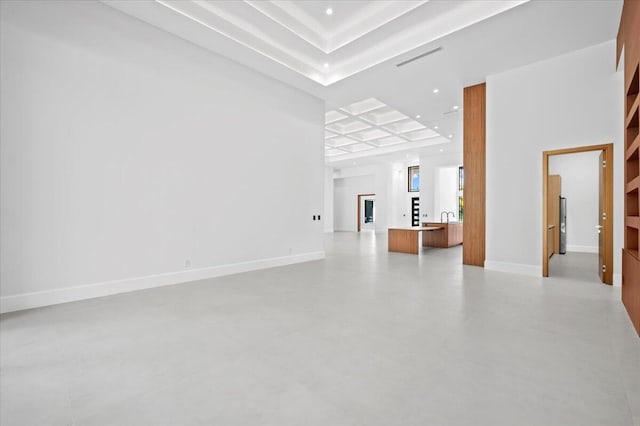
288	33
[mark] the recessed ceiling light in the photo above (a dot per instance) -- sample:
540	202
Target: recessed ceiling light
329	11
418	116
450	136
326	64
441	150
354	163
455	107
436	90
435	127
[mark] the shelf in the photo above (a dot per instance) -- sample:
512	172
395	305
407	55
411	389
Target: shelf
632	222
634	84
631	206
632	185
635	145
633	253
631	119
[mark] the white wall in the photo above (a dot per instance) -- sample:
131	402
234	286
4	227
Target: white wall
571	100
446	192
580	186
400	213
327	216
388	181
128	153
345	203
430	175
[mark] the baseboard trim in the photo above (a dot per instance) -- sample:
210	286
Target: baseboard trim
38	299
513	268
582	249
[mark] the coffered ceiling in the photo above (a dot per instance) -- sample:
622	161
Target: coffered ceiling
369	127
324	41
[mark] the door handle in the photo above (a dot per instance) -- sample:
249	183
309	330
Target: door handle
599	226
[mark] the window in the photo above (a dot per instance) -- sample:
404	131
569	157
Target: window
461	194
414	178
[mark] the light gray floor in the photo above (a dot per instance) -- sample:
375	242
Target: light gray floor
362	338
575	265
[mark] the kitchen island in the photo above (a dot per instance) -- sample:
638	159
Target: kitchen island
405	240
451	235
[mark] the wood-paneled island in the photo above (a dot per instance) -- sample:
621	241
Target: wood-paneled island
451	235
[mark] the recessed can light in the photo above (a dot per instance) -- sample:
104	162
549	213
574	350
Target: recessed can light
450	136
441	150
455	107
329	11
436	90
435	127
326	64
417	115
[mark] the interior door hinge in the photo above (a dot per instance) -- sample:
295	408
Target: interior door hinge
604	163
604	268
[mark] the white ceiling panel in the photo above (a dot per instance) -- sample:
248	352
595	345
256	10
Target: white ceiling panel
420	134
358	147
403	126
363	106
383	115
339	141
391	140
351	125
370	134
333	152
331	116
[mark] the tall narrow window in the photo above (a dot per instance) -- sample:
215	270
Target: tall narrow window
414	178
461	194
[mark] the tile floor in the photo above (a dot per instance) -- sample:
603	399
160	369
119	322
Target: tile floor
362	338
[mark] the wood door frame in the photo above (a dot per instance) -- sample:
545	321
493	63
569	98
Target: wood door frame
607	151
359	201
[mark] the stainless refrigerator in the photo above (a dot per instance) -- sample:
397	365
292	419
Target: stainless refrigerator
563	225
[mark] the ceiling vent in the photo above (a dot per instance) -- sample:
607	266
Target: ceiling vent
415	58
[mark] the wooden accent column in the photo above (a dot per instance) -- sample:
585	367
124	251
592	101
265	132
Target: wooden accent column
629	37
474	137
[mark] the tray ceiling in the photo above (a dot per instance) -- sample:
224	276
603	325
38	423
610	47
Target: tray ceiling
302	37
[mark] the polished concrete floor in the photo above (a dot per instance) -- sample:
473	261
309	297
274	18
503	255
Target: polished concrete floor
575	265
362	338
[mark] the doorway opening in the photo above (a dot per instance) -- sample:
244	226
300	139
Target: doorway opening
366	212
577	213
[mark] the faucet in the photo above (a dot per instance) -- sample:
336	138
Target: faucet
447	213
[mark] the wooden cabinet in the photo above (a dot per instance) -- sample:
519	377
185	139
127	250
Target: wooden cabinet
451	235
629	37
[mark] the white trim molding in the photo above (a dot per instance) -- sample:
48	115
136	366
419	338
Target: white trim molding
513	268
582	249
617	280
23	301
